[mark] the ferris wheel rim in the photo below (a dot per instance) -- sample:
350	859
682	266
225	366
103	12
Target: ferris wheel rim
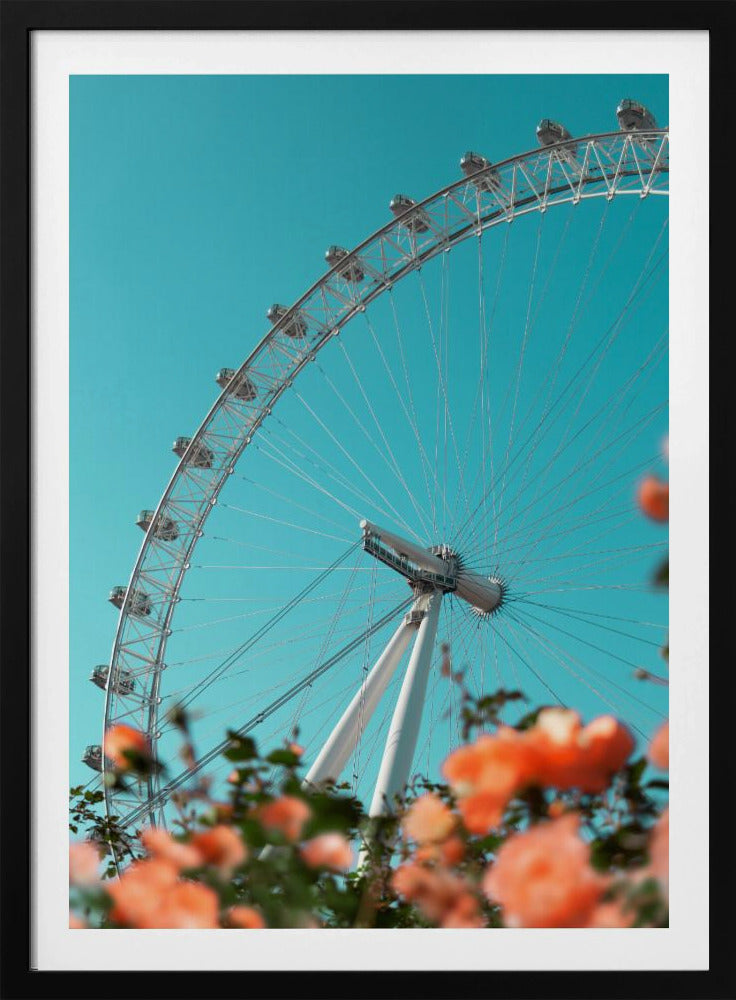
211	487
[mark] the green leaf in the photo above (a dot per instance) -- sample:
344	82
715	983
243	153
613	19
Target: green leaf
240	748
287	758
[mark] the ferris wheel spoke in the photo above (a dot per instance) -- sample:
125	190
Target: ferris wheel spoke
565	394
410	417
284	498
624	557
611	404
442	396
623	441
565	441
392	464
563	658
604	679
399	519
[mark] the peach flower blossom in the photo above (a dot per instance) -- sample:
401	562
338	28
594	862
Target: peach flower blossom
221	847
286	815
84	863
244	916
543	878
487	773
428	820
138	892
572	756
329	850
160	844
659	748
122	739
611	914
184	905
76	923
654	498
439	894
452	851
466	912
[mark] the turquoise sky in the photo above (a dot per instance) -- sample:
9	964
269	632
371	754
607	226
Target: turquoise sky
196	202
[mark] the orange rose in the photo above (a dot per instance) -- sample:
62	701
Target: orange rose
244	916
121	740
138	892
659	748
573	756
286	815
329	850
486	774
437	893
184	905
654	498
452	851
428	820
221	847
611	914
160	844
84	863
542	877
464	913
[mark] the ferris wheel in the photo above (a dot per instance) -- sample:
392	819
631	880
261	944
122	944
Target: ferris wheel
423	471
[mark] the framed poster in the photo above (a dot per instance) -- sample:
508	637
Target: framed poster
377	661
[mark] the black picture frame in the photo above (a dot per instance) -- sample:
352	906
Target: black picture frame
18	20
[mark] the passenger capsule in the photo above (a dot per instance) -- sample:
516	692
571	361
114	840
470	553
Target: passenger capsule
201	457
352	271
139	605
166	528
472	164
243	388
92	757
124	682
549	132
417	221
295	327
634	117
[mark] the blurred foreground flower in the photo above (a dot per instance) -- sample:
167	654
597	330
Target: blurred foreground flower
286	815
654	498
543	877
126	747
659	748
329	850
84	864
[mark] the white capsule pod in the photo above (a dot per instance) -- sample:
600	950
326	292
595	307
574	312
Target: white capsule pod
295	326
124	682
404	208
239	385
165	528
352	271
634	117
92	757
139	604
200	457
480	172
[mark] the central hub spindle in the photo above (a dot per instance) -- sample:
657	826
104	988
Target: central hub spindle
439	567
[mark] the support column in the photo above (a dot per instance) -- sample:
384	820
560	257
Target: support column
402	737
343	738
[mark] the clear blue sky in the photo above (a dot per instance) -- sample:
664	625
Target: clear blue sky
196	202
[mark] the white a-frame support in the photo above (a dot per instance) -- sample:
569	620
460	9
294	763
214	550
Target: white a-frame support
345	736
404	731
402	736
